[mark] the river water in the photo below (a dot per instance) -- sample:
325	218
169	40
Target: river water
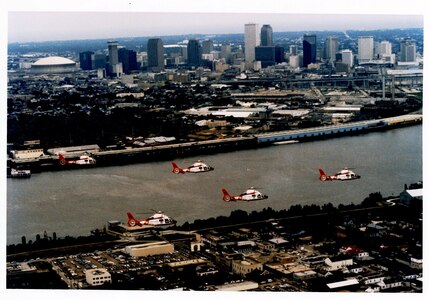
75	201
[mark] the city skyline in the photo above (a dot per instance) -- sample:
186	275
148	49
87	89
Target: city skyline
35	25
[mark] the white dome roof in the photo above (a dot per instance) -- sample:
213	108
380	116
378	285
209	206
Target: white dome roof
53	61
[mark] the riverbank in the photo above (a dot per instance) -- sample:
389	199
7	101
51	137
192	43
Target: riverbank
172	151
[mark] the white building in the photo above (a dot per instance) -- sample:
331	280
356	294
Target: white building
97	276
385	48
365	48
53	65
251	40
294	61
347	57
338	262
155	248
28	154
331	48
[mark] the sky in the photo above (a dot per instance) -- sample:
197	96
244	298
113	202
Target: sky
95	19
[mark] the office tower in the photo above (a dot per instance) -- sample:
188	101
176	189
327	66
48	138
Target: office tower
279	54
207	46
293	50
385	52
225	52
113	52
347	57
331	48
85	60
295	61
98	60
251	40
385	48
194	53
128	58
408	51
114	68
266	55
309	49
365	48
155	55
266	35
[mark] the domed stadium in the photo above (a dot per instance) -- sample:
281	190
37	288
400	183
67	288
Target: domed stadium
53	65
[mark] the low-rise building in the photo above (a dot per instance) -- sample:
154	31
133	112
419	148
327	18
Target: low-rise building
243	267
155	248
338	262
96	277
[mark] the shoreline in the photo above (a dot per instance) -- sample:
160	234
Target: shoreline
172	151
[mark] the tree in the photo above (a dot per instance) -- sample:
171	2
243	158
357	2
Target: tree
372	199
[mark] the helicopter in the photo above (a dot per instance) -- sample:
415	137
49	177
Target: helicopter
196	167
249	195
344	174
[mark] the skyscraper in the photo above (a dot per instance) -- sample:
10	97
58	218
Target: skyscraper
128	58
194	53
266	55
331	48
251	40
347	57
385	48
309	49
293	50
408	50
113	52
266	35
115	69
225	52
99	60
85	60
155	54
207	46
365	48
280	54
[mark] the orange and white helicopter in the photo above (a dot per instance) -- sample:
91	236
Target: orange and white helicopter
249	195
157	219
82	160
196	167
344	174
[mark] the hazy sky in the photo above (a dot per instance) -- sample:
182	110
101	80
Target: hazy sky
50	21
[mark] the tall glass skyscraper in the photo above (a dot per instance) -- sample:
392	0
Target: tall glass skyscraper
155	55
309	49
128	58
251	40
85	60
194	53
266	35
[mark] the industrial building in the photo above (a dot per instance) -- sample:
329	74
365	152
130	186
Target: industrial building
155	248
